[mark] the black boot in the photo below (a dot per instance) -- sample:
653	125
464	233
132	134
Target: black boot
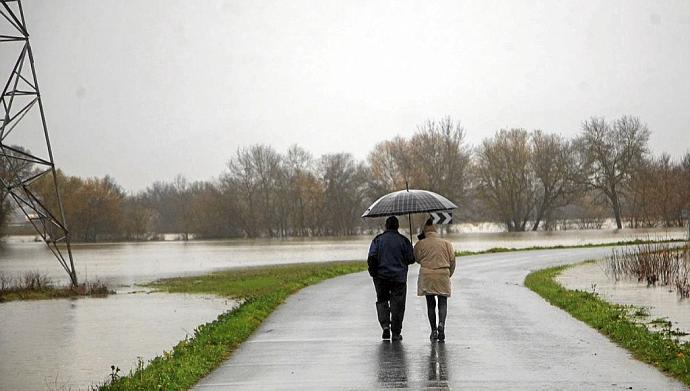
383	310
441	332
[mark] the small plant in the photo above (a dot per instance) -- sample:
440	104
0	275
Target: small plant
654	263
34	285
114	373
6	281
35	281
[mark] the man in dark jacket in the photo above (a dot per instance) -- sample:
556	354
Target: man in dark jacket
389	255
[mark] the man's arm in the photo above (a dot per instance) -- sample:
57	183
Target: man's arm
408	251
373	258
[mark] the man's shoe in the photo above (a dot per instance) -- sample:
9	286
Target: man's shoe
441	333
386	333
397	337
434	335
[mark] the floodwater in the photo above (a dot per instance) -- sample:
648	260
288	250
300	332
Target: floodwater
660	301
130	263
70	344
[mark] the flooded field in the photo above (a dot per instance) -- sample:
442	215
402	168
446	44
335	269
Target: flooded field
129	263
661	301
70	344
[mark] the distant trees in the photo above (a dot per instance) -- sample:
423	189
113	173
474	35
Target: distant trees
523	177
441	158
435	158
610	153
344	193
93	206
557	173
506	181
519	178
293	195
11	172
658	192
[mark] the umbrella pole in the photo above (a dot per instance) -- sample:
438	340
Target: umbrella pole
409	216
409	219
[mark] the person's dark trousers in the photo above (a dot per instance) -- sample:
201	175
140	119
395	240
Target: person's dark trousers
390	303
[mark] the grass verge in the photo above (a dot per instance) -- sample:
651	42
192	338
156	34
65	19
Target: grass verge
617	322
495	250
37	286
263	289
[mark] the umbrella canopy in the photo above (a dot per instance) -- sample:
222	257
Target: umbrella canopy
408	201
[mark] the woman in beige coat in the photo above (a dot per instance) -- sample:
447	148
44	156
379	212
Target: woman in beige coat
436	258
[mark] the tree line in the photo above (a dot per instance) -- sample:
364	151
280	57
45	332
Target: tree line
524	180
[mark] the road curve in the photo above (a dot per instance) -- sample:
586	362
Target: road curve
500	335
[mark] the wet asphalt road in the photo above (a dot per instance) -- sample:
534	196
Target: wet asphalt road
499	335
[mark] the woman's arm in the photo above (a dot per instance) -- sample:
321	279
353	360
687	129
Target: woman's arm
451	255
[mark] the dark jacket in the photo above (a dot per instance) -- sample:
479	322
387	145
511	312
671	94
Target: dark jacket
389	255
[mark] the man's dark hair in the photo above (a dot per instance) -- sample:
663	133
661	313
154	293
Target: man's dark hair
392	223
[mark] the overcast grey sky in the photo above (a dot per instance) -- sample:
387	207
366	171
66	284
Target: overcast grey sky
144	90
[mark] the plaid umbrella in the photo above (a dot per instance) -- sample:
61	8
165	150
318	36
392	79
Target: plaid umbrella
405	202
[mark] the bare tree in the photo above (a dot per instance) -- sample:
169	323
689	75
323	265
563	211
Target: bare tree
391	166
344	184
441	158
610	154
685	175
639	200
506	181
556	173
297	168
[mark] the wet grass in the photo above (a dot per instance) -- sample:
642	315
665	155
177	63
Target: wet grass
36	286
495	250
659	347
261	289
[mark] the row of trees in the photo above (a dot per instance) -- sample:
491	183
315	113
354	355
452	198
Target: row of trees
522	179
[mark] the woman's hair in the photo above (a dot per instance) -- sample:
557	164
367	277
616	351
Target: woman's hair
429	226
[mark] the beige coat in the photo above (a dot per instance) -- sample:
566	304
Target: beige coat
436	258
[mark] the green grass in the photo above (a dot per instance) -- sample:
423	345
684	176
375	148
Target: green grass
263	289
618	323
45	294
36	286
495	250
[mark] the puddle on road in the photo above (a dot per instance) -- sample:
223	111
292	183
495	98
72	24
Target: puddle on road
660	301
71	343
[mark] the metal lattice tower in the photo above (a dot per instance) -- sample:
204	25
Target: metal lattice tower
20	98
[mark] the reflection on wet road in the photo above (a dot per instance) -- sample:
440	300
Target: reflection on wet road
438	368
393	369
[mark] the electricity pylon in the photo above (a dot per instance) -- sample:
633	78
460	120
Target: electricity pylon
20	100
